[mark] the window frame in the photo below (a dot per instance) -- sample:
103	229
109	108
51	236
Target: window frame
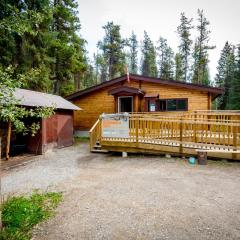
177	99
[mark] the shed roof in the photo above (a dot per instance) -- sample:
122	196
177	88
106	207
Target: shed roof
39	99
215	91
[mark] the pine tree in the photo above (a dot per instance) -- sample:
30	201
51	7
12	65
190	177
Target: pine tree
234	90
201	49
225	74
133	55
165	59
148	66
178	68
101	68
183	31
40	38
112	50
63	49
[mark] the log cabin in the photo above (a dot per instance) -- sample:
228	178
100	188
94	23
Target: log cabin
135	93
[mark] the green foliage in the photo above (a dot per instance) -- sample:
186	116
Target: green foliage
234	89
149	65
40	38
179	75
201	49
10	109
184	34
20	214
112	53
166	59
133	53
225	75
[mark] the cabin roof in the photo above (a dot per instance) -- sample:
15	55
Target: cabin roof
213	90
38	99
125	89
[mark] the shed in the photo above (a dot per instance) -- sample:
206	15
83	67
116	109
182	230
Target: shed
55	131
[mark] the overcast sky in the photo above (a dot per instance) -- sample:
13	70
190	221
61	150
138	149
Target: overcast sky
160	18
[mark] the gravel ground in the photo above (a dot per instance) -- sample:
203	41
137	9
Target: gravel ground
45	172
109	197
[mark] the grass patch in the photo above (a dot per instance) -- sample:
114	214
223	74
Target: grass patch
20	214
81	139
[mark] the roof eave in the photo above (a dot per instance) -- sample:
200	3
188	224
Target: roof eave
212	90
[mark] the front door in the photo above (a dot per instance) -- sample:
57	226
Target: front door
125	104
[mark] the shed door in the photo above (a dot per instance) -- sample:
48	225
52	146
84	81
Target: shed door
65	130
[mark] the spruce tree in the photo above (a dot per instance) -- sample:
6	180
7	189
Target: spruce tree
133	55
165	59
101	68
178	68
112	50
149	65
201	49
40	38
225	74
63	49
234	90
183	31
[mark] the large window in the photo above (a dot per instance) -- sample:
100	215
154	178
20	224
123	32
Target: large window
180	104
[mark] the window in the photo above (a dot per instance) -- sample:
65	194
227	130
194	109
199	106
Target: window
173	104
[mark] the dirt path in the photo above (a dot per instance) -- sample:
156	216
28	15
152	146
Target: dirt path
109	197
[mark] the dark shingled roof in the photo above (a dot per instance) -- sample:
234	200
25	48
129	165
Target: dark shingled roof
213	90
39	99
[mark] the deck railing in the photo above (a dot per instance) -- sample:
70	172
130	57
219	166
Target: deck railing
95	134
183	133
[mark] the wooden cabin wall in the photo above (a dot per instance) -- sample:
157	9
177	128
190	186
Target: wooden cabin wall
93	105
99	102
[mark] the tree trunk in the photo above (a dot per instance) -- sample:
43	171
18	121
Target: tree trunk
9	130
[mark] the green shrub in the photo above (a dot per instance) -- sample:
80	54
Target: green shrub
20	214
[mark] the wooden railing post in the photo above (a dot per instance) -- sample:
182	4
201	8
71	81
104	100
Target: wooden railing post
100	131
137	130
181	136
195	128
235	131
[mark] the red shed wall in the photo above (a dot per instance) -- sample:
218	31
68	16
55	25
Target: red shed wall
57	131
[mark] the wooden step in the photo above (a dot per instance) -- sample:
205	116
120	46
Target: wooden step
97	147
99	151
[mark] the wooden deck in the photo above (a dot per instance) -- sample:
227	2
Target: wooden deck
180	134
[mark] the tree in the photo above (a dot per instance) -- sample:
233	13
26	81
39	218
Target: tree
112	50
165	59
27	38
133	45
10	110
149	65
43	35
183	31
201	49
178	67
66	46
101	67
225	74
234	90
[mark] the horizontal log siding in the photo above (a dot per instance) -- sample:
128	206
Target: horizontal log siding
97	102
93	105
196	100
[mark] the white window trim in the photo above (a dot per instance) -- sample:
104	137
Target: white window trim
124	97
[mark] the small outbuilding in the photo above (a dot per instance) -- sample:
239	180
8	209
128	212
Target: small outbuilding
55	131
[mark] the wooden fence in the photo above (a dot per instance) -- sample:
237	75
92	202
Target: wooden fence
218	132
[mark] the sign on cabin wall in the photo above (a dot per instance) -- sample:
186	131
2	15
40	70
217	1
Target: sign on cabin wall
152	107
115	125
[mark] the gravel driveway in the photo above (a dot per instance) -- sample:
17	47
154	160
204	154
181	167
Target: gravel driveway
109	197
